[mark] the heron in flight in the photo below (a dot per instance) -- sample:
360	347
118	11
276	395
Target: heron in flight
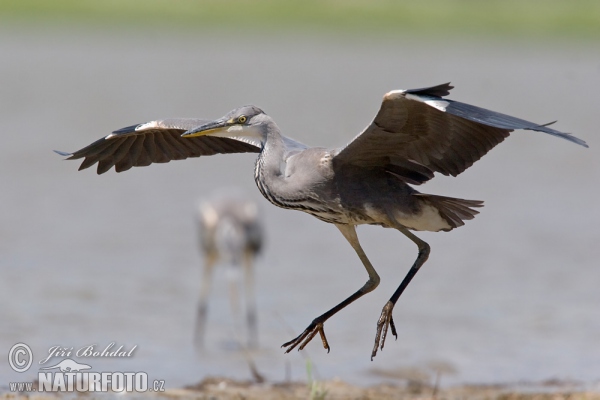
230	231
414	134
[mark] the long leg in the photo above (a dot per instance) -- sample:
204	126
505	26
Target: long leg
233	277
209	263
386	320
316	326
250	299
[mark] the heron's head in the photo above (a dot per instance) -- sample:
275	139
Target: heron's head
247	121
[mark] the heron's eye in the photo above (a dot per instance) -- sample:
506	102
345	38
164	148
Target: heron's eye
242	119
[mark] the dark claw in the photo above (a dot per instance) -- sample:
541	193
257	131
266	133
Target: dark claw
305	337
393	327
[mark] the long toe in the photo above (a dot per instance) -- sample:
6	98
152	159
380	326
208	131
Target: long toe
294	342
323	338
306	336
384	322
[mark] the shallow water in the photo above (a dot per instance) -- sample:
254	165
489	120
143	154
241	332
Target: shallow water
86	259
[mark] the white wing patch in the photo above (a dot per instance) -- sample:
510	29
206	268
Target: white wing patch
147	125
141	127
394	94
430	101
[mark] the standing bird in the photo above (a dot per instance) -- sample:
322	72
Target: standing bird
230	232
415	134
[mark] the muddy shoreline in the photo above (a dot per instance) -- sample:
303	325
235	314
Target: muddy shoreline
220	388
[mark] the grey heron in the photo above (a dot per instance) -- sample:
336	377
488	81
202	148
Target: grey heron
230	232
415	133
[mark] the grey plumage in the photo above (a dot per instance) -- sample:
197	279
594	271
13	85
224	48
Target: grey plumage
415	134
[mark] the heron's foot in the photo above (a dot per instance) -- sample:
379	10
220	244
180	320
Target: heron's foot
385	321
306	336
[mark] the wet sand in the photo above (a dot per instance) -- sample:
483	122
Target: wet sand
224	389
215	388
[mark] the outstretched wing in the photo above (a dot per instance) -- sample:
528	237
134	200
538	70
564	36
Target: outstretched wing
417	132
155	142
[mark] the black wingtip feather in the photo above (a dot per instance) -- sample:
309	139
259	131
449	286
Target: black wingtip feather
563	135
436	91
567	136
503	121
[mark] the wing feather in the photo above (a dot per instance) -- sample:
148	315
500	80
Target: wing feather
154	142
175	153
120	152
132	155
87	162
469	148
442	135
144	158
125	164
164	151
104	152
151	148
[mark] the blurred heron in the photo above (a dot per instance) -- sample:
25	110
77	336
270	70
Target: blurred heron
230	232
414	134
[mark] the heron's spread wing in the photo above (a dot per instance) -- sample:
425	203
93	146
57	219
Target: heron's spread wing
417	132
154	142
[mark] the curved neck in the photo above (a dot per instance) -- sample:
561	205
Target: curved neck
268	173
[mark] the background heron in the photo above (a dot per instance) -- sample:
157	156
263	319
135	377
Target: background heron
230	232
415	133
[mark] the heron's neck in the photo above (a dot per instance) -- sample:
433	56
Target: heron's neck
268	173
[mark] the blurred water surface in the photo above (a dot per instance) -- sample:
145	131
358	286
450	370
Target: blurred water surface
89	259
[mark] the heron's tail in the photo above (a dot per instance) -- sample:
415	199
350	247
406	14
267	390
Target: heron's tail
453	211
